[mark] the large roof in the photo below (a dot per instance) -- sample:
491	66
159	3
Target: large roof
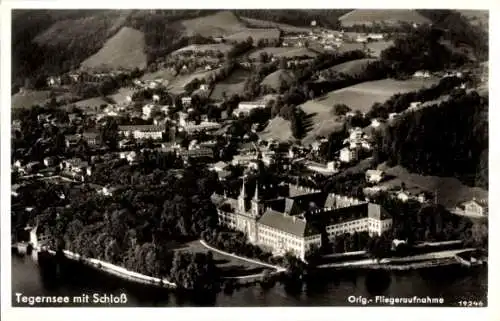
352	213
288	224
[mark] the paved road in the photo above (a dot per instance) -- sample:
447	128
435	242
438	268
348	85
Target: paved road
277	268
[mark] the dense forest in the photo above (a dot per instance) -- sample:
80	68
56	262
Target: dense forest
450	139
324	18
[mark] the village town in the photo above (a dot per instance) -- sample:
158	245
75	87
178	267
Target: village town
286	165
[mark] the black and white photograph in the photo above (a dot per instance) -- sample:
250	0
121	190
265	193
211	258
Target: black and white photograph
252	158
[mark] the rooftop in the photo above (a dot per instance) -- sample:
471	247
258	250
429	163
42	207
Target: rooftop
288	224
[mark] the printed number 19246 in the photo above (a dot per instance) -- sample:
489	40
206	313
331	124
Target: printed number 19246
469	304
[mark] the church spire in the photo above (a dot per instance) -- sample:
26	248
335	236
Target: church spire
242	193
256	194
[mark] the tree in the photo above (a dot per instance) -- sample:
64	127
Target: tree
341	109
109	133
298	125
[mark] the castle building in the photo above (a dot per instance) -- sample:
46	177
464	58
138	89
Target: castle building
299	221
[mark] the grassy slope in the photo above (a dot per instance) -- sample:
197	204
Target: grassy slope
353	67
368	16
287	52
256	23
273	80
126	50
220	24
450	190
234	84
362	96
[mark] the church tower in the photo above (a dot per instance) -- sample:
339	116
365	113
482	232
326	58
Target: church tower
256	202
241	199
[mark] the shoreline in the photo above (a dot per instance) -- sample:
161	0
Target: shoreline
248	280
105	267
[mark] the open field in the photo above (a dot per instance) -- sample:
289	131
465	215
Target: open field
230	266
362	96
389	17
121	96
90	104
256	23
377	47
353	67
349	46
286	52
177	84
476	17
234	84
277	129
324	121
126	49
219	24
100	24
222	47
256	34
165	74
29	98
273	80
450	191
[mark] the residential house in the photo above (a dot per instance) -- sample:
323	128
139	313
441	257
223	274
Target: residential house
374	176
348	155
422	74
403	196
50	161
92	138
142	131
245	107
326	169
219	166
376	122
76	167
414	105
195	153
476	208
186	101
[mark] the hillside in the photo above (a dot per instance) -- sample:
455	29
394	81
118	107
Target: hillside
388	17
274	79
353	67
257	23
125	50
216	25
476	17
90	28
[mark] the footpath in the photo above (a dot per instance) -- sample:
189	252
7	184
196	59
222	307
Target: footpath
118	271
278	269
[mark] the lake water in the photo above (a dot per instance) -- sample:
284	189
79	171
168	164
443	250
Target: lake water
452	284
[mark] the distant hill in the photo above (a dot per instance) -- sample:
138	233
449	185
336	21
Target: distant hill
219	24
477	17
274	79
388	17
353	67
125	50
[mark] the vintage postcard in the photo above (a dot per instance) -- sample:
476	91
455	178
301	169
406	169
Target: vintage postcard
246	158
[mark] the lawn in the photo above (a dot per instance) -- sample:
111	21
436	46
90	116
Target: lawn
256	34
362	96
450	191
256	23
29	98
234	84
177	84
378	46
287	52
230	266
222	47
353	67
